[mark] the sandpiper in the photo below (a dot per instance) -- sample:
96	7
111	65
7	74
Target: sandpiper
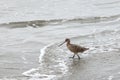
74	48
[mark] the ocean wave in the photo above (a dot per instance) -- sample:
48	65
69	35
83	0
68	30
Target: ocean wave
54	62
52	65
41	23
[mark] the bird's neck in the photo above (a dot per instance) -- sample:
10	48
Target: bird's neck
68	42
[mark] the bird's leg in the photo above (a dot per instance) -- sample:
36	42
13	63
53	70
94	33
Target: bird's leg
78	56
73	56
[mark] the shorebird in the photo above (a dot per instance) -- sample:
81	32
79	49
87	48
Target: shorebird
74	48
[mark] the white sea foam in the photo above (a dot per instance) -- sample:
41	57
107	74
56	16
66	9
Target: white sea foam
42	52
34	75
58	66
29	71
33	72
110	77
61	62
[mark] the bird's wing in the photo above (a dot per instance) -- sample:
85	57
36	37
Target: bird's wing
77	48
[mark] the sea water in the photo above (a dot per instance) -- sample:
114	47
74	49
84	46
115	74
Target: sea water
31	30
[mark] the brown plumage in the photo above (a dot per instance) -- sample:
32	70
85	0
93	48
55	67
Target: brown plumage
74	48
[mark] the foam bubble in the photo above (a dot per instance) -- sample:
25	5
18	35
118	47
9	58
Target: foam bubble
110	77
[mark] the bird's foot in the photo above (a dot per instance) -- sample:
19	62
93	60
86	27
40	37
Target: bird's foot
79	58
71	57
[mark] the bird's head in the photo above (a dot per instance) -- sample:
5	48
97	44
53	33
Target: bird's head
66	40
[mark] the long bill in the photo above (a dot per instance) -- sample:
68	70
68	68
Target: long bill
61	44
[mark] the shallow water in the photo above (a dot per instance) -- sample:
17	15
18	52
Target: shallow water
30	32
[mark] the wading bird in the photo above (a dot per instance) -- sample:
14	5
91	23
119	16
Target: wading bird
74	48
